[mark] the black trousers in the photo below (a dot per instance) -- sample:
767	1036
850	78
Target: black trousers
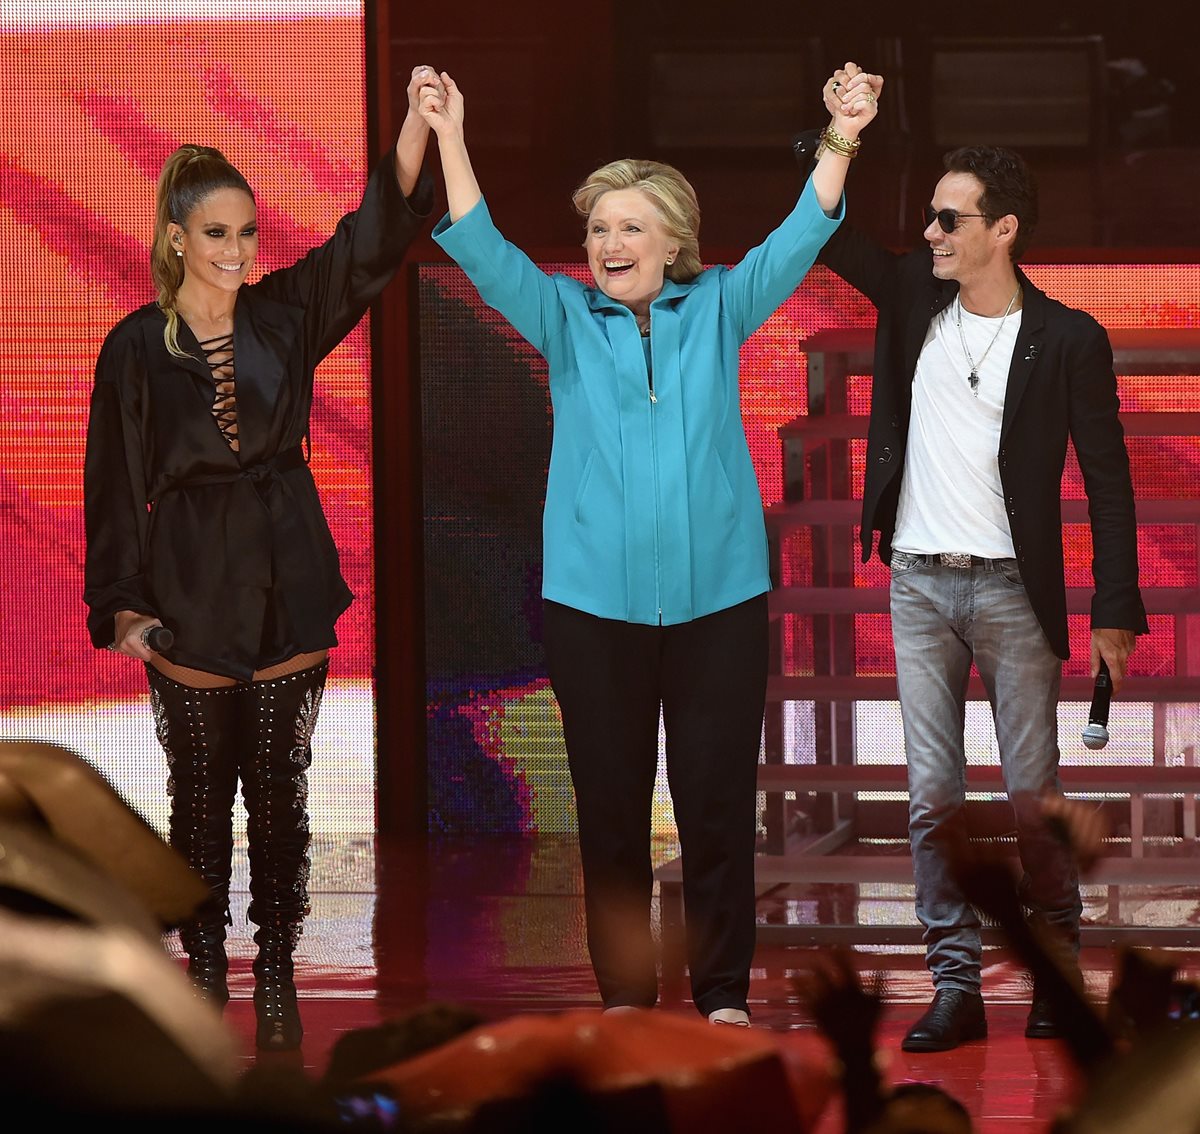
709	678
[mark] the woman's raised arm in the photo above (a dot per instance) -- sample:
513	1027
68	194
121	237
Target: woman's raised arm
442	107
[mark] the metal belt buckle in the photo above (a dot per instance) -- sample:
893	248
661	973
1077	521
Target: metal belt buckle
955	558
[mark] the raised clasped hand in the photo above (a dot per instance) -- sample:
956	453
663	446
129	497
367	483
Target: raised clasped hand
440	103
851	95
423	77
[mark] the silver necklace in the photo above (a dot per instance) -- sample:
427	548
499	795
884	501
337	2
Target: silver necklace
973	377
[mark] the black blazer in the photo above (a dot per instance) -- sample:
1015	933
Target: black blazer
1060	385
231	550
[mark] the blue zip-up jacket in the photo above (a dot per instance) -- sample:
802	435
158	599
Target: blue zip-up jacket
653	512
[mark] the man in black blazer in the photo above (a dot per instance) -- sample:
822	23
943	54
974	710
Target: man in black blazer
979	381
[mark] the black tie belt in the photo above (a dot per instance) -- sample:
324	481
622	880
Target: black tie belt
260	491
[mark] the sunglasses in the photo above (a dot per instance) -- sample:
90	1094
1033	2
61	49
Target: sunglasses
947	218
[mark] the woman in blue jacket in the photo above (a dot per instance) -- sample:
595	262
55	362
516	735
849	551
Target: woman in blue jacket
655	552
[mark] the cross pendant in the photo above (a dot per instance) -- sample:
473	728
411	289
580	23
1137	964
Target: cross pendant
973	379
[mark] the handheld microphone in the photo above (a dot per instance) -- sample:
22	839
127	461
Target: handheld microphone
157	638
1095	735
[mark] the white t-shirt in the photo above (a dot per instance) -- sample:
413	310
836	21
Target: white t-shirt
951	498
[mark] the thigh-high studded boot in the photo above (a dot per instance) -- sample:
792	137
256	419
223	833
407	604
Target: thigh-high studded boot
275	788
200	731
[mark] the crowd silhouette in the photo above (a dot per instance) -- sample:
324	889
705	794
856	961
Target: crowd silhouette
98	1022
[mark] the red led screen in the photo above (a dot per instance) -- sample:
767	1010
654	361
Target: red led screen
96	96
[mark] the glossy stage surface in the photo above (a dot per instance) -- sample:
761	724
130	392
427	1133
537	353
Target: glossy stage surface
496	925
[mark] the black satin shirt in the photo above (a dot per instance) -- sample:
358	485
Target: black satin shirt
231	549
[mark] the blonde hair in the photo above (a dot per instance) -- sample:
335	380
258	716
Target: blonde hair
189	175
669	191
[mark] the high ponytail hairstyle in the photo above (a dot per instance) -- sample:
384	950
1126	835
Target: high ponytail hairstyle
190	174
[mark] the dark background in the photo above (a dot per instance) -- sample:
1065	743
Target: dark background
555	89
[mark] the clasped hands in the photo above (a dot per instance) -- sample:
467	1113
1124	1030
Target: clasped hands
436	98
851	95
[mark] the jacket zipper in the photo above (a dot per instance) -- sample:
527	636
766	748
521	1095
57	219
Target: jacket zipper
654	466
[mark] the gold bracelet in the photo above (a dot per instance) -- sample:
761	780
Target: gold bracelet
844	147
850	143
834	148
839	144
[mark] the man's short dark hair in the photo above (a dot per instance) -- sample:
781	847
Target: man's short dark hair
1008	187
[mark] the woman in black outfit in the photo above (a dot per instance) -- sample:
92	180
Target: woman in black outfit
202	516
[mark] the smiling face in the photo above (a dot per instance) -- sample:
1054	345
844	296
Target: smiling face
628	248
219	241
974	250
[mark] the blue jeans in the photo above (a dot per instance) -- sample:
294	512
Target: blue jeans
943	618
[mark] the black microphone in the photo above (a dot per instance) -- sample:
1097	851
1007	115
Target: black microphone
1095	735
157	638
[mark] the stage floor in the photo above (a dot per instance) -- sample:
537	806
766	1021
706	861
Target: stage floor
496	925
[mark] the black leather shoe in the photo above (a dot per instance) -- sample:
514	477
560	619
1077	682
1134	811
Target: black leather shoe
1040	1023
954	1017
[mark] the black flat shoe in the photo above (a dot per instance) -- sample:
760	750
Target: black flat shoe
954	1017
1040	1023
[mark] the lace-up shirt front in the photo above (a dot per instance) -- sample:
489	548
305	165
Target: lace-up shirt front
218	353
